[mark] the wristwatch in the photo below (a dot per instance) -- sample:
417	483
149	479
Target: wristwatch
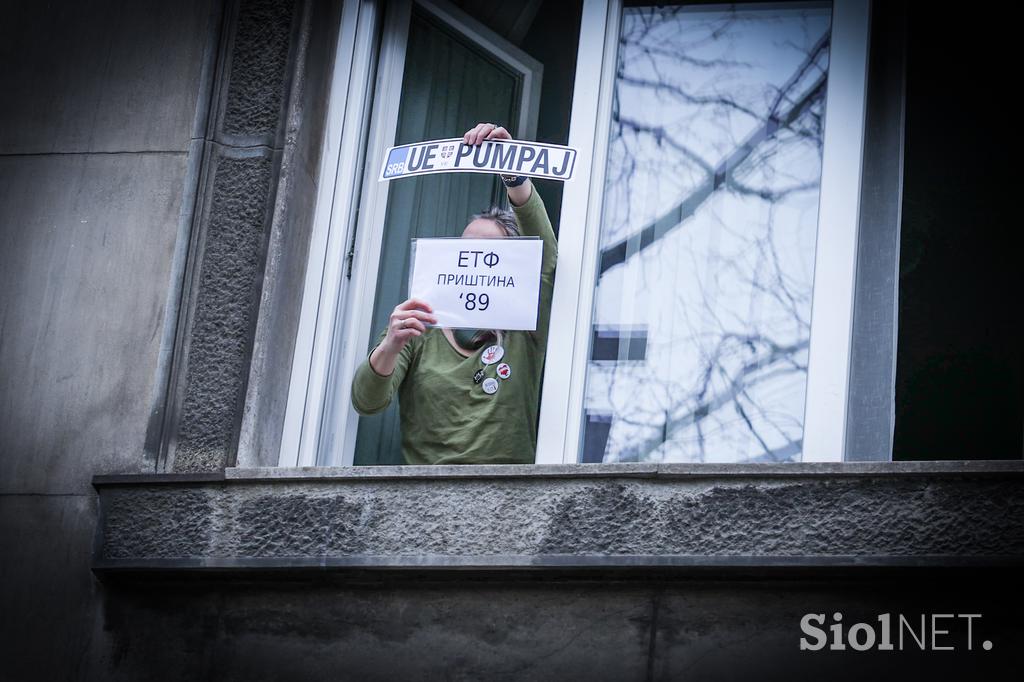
512	180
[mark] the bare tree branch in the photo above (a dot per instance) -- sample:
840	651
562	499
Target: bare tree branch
616	254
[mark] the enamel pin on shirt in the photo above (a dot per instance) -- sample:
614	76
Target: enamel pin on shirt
492	354
504	370
478	376
490	385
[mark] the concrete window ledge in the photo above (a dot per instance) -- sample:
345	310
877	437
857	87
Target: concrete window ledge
623	517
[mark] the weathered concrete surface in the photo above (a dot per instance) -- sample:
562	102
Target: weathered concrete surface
48	598
224	306
242	208
471	628
603	572
380	632
750	631
256	83
609	516
100	76
85	265
100	100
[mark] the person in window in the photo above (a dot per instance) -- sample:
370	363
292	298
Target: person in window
466	396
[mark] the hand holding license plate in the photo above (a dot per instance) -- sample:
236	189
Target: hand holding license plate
510	157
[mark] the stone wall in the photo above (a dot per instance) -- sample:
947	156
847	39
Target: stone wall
157	163
596	516
603	572
102	104
503	627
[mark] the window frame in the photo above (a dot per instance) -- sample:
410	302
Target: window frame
334	322
327	286
320	423
560	433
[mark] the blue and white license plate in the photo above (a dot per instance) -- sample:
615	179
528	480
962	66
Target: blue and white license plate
511	157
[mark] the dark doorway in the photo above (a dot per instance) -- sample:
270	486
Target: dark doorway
959	369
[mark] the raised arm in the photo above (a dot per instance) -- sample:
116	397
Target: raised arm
533	221
519	189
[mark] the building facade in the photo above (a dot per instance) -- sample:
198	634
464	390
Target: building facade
782	388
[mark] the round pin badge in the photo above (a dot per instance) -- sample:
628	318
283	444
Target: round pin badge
490	386
504	371
478	376
492	354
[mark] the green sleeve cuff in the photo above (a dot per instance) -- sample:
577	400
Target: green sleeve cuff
371	392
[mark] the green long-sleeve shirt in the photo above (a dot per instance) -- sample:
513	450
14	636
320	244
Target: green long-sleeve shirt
446	418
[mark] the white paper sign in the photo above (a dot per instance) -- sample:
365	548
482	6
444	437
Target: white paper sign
479	283
512	157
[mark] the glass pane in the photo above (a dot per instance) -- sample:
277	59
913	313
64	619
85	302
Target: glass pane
448	86
701	320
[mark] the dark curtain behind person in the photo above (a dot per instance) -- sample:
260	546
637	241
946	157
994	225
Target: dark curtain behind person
448	86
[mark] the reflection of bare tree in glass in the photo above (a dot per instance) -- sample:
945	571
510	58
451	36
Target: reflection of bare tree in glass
682	95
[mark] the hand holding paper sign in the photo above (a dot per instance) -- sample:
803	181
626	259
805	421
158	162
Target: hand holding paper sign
408	320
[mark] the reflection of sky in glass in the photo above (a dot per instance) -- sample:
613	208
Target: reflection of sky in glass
708	232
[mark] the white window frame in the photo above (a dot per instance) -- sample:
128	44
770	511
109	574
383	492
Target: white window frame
326	287
560	432
334	327
334	322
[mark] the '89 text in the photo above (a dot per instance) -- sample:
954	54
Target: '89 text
475	301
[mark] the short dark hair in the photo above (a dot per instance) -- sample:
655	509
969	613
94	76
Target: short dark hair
503	217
